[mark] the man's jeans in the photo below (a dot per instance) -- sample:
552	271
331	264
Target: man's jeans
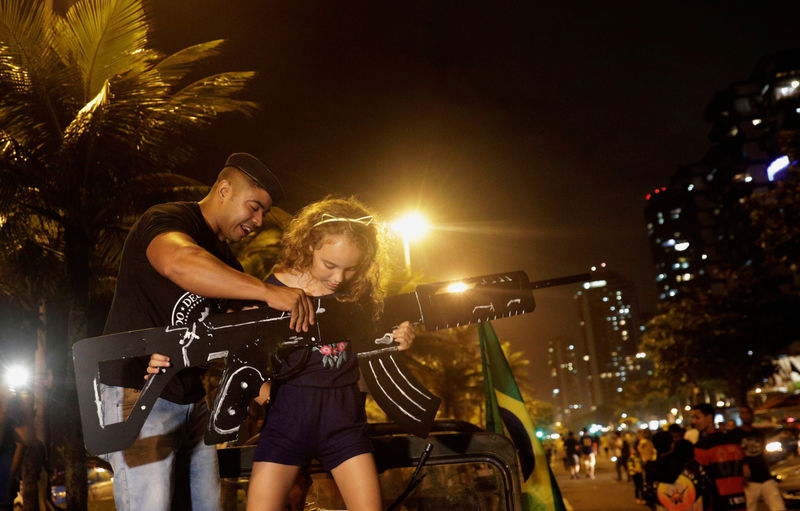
169	463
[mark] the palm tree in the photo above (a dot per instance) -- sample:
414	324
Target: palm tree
91	118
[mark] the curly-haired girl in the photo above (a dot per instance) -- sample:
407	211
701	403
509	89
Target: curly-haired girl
333	247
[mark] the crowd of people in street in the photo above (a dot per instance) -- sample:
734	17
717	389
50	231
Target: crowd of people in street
704	467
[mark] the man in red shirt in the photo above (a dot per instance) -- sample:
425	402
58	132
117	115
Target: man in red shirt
722	459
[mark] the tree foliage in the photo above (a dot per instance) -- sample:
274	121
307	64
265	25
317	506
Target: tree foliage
92	123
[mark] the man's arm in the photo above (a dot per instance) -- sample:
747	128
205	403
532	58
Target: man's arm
177	256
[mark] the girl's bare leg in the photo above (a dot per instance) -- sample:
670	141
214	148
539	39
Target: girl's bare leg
269	485
357	480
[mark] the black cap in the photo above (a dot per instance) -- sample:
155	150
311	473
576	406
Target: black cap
258	172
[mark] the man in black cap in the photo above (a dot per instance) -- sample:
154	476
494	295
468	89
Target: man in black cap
177	268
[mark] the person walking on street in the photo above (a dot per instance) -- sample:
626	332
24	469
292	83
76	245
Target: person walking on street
636	470
759	484
721	456
623	457
573	455
588	452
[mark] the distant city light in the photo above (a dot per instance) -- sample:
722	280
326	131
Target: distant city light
773	447
674	411
680	247
653	425
641	354
720	403
690	187
776	166
758	390
594	283
688	408
624	415
756	122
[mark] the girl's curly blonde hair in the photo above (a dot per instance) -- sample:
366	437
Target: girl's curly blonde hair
339	217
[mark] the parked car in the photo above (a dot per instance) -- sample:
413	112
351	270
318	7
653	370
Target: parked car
781	443
787	473
100	481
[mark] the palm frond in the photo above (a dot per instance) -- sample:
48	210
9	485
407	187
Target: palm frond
176	66
80	124
133	196
206	98
108	37
23	32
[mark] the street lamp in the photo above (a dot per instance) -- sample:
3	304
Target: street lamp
17	376
411	227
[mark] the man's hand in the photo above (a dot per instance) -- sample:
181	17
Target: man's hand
404	335
293	300
157	362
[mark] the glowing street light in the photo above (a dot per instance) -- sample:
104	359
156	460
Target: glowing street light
17	376
411	227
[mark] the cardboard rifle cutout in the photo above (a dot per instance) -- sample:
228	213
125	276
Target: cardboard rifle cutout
251	341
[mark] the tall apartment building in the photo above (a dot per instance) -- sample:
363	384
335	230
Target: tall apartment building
608	312
697	221
569	370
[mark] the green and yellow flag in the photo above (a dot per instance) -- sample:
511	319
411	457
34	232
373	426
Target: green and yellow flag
504	405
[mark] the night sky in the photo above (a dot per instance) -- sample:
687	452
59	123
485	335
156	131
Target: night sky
528	133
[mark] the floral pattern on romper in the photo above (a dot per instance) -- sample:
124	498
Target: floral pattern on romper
333	355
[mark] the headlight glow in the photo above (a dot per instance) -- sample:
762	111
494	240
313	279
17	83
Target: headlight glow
774	447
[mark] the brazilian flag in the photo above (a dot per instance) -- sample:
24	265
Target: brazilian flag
504	405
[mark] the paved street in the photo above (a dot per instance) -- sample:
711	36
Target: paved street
603	493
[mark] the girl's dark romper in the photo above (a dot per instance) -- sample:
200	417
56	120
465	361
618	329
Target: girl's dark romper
319	413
